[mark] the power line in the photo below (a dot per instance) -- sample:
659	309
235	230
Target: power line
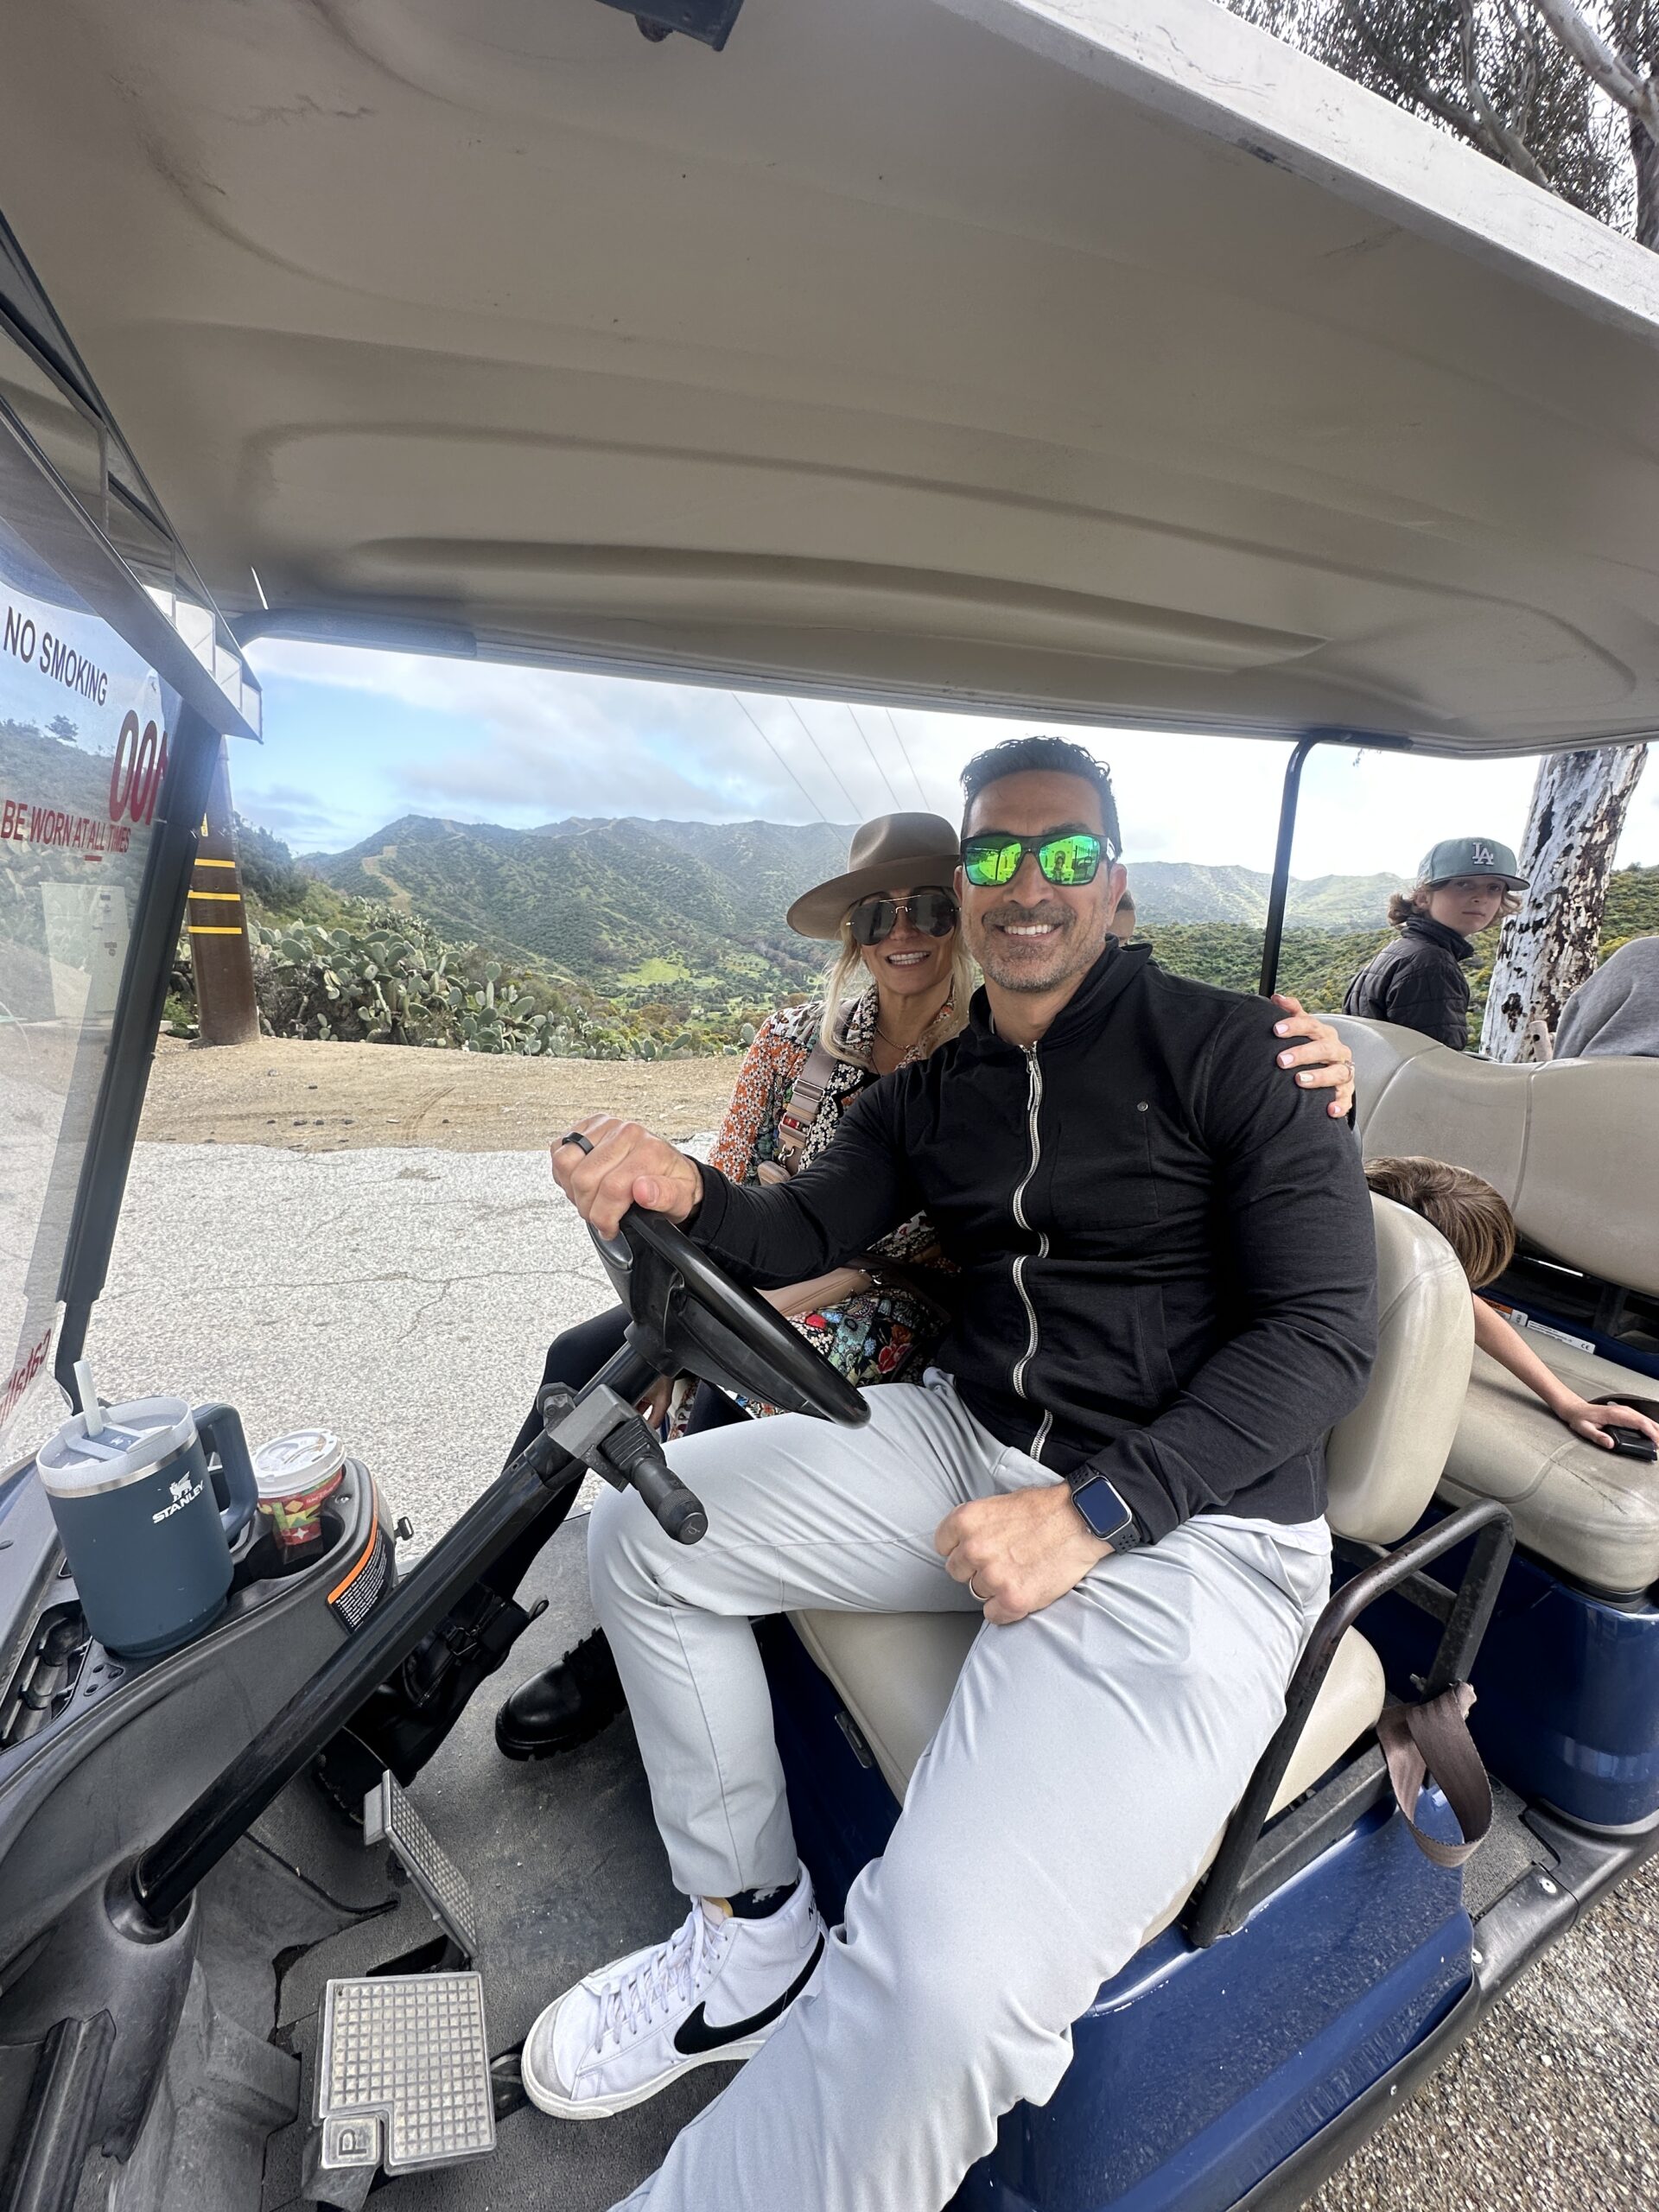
909	763
824	756
783	765
875	759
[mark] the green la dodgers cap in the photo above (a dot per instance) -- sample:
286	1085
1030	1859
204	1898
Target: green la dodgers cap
1470	856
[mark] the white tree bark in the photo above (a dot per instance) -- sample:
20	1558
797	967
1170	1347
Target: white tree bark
1578	804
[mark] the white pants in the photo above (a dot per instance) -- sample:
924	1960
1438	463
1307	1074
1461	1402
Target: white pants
1088	1757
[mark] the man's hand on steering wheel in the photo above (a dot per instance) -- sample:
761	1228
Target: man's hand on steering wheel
624	1165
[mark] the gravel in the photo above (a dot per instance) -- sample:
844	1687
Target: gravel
405	1297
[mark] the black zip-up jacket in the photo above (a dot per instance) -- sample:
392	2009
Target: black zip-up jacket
1168	1266
1418	981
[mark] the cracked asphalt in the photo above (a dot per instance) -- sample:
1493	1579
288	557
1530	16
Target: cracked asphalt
404	1296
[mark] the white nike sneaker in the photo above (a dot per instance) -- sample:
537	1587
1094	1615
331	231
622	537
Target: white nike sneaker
712	1992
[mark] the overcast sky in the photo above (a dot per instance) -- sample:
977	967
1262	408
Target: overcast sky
354	740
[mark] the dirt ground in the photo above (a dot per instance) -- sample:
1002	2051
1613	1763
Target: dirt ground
311	1098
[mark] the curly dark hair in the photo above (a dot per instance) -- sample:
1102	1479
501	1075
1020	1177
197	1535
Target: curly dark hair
1054	756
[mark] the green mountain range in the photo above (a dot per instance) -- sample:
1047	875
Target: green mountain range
634	905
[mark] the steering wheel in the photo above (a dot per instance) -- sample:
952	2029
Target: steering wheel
690	1316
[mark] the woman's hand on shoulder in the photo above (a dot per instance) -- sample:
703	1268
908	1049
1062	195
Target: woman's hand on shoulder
1324	1061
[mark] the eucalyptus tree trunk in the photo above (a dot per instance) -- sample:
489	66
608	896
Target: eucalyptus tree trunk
1578	804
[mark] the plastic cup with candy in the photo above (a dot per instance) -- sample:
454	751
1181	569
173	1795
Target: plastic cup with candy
297	1475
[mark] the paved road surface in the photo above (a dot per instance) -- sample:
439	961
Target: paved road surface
405	1297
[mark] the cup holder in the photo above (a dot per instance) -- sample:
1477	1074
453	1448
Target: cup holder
265	1561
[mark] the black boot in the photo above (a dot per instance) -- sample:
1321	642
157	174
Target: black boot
567	1705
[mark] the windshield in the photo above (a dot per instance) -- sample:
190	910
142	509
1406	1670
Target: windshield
84	728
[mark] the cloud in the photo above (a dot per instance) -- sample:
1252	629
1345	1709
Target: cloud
286	812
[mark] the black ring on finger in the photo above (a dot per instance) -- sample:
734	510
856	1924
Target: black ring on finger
574	1137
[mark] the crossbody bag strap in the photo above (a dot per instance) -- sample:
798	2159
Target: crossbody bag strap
795	1123
1434	1738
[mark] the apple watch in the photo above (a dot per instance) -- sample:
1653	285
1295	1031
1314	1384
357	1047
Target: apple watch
1107	1516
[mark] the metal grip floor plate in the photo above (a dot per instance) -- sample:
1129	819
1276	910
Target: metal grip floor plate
404	2072
388	1816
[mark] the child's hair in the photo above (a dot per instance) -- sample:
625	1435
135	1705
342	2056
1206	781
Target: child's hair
1402	904
1474	1218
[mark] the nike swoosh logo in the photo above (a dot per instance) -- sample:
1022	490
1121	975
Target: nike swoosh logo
694	2035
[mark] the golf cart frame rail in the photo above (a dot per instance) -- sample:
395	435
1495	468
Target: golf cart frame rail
1254	1861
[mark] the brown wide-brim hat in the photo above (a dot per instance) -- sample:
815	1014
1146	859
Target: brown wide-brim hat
894	851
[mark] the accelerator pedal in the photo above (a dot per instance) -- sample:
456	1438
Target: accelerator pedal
403	2079
389	1818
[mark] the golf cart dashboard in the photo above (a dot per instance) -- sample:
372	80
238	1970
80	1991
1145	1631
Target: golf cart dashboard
100	1752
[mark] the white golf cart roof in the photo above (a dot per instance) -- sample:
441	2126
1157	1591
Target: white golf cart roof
1105	360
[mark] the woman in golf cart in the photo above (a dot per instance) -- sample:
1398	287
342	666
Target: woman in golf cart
893	917
1463	886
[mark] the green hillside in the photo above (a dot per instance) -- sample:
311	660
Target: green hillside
1183	891
626	902
615	905
1632	906
673	932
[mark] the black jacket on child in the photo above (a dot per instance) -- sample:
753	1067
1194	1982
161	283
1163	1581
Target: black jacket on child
1168	1266
1418	981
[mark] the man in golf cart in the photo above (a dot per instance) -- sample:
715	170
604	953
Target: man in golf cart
1169	1265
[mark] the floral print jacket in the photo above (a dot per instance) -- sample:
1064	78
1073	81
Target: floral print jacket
875	1336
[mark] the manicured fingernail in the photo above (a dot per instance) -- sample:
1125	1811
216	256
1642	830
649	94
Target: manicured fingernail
1287	1059
1281	1029
1307	1077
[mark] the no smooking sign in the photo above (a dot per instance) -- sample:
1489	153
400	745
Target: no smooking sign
56	673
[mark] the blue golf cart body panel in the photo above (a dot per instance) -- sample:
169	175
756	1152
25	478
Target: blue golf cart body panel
1328	1984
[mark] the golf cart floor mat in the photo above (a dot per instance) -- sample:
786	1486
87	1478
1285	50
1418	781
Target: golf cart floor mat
566	1871
1510	1850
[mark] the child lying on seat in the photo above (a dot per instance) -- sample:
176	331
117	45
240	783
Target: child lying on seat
1478	1226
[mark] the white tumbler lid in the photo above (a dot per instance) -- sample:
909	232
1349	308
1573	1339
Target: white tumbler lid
290	1465
130	1440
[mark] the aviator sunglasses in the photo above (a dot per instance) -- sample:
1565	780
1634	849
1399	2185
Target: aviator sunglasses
873	920
1069	857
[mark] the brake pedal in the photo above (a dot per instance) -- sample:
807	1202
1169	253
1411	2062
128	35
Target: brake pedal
389	1818
403	2077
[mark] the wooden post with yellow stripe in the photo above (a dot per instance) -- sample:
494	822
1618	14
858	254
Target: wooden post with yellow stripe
220	955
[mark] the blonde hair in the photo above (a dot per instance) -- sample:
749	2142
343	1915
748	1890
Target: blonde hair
1402	904
1474	1218
849	963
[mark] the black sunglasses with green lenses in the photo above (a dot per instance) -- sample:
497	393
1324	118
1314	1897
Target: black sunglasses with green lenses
933	911
1066	856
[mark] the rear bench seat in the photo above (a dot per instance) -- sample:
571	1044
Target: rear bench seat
895	1672
1573	1146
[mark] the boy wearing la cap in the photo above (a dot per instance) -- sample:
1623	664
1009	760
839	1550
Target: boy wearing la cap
1418	983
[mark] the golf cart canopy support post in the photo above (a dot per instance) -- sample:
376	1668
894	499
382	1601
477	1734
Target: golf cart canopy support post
48	517
1279	891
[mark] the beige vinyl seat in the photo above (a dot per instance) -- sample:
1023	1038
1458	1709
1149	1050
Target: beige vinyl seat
894	1672
1573	1146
